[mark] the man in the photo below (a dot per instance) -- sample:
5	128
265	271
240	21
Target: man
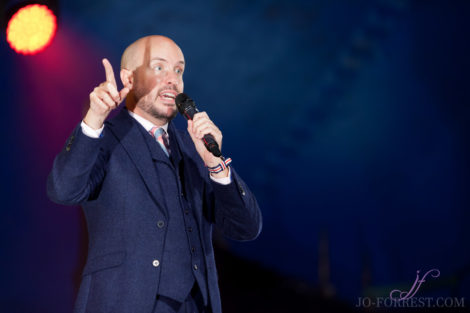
146	192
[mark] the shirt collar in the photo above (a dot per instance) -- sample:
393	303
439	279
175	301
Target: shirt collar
146	123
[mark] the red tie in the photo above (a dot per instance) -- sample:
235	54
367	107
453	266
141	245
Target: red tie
162	138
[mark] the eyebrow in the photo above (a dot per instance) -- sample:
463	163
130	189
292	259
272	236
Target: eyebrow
162	59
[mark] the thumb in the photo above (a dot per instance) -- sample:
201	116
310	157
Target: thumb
191	131
123	93
190	127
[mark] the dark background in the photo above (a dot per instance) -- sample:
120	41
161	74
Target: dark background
348	119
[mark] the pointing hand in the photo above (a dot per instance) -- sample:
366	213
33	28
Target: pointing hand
104	98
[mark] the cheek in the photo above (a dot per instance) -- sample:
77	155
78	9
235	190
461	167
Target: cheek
150	83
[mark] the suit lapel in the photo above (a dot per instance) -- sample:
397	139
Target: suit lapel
174	145
187	155
129	134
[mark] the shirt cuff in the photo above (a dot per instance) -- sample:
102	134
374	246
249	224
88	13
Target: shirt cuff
90	132
224	180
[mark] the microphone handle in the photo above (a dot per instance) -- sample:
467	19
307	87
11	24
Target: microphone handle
211	145
209	141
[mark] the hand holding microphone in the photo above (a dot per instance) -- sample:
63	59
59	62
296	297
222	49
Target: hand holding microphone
205	134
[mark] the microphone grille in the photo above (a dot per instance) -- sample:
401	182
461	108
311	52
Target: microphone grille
183	101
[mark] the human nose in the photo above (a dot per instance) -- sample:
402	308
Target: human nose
171	78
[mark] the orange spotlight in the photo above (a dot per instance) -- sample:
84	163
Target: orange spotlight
31	29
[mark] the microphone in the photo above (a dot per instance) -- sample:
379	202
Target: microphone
187	108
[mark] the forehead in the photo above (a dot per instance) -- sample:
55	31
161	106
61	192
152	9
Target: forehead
161	49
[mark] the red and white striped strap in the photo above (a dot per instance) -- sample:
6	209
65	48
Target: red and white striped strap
222	166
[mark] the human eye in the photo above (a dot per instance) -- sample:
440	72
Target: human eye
179	71
157	67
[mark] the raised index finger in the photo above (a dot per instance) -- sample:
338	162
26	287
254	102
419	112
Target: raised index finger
109	72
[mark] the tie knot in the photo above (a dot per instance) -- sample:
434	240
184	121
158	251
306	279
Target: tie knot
162	138
157	131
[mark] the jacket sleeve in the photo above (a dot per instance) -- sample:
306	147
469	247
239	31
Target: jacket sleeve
236	212
77	170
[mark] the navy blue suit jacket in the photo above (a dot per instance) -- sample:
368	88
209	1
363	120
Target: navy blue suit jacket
116	180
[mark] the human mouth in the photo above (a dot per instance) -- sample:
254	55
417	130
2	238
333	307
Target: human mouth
168	95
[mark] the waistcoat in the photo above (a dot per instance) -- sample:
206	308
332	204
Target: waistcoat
182	262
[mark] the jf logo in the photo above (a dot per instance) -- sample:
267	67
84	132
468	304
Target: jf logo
399	295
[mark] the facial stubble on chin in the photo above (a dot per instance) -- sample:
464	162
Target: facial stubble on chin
158	114
146	102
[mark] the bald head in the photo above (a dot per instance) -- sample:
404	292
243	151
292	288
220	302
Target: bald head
144	48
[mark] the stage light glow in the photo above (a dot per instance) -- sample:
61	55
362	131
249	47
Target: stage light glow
31	29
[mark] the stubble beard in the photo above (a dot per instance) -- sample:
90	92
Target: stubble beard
158	113
149	107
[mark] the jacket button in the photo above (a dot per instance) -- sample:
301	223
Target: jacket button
186	212
242	191
155	263
160	224
190	229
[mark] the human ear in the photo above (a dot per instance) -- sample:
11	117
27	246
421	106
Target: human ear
127	78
